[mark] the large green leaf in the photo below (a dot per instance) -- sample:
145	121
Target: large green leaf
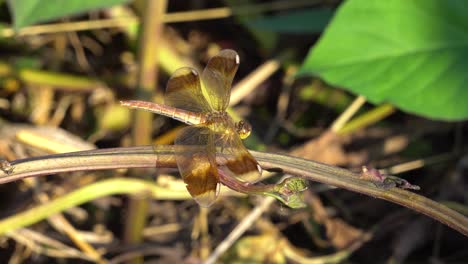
411	53
28	12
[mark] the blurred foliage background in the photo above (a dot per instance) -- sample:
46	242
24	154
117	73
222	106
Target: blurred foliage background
347	83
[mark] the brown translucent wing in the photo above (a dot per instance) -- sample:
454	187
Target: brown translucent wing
217	78
197	163
232	155
183	91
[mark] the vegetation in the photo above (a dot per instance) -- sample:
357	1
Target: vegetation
332	89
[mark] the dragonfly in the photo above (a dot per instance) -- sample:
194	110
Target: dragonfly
212	144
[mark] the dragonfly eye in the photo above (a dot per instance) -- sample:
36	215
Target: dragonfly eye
243	129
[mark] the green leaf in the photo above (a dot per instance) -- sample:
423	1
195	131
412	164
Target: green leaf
28	12
413	54
304	21
290	192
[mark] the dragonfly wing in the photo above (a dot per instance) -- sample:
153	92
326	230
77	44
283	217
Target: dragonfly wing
217	78
183	91
197	163
233	156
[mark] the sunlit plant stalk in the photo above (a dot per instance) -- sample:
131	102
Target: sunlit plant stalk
163	156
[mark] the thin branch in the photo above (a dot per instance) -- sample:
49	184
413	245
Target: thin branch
163	156
240	229
371	117
348	113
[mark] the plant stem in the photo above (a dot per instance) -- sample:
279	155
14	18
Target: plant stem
183	16
62	81
150	34
348	113
85	194
163	156
147	73
373	116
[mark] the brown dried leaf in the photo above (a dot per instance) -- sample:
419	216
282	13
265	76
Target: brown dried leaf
328	148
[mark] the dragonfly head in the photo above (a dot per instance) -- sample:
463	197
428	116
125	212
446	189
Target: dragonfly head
243	129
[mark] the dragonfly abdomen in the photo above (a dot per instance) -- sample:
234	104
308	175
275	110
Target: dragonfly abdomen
188	117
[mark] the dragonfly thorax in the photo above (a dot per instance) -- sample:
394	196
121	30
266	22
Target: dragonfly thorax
242	128
217	117
218	121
